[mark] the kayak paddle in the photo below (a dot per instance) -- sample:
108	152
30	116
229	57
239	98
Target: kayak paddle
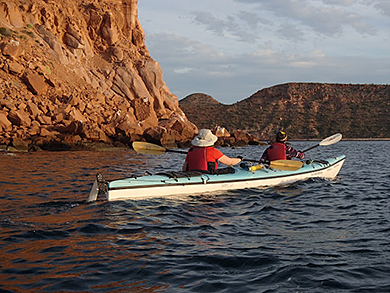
286	165
152	149
327	141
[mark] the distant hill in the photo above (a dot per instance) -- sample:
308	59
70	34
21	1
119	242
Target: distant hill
304	110
199	99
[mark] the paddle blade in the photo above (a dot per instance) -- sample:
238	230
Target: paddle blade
331	139
148	148
94	192
286	165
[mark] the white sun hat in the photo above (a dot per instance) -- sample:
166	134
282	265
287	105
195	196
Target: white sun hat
204	138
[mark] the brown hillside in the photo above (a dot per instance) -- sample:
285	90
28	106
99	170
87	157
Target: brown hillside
305	110
203	109
199	99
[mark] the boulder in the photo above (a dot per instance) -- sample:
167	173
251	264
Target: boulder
94	133
221	131
44	120
36	83
12	49
15	68
75	114
241	137
68	127
7	104
154	134
179	128
4	122
33	109
128	128
71	41
19	118
46	132
20	144
71	139
168	140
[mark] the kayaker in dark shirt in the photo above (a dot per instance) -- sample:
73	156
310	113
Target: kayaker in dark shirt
280	151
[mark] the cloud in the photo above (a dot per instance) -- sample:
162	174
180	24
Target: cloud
212	23
253	19
324	19
339	2
384	7
183	70
290	32
228	28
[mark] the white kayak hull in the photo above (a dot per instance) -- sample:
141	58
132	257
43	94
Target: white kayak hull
160	185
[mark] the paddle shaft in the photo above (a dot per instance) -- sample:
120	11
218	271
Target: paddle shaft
249	160
327	141
175	151
310	148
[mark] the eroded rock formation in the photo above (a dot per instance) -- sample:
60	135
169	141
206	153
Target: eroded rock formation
78	71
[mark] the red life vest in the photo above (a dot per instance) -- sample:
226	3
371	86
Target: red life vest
277	151
197	159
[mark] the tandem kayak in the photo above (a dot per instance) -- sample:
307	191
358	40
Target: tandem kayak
185	183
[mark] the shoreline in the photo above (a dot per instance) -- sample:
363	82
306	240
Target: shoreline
108	147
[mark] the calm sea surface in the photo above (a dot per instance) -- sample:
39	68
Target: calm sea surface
313	236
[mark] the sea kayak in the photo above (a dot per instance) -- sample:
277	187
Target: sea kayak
185	183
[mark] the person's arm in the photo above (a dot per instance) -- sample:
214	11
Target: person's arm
229	161
293	153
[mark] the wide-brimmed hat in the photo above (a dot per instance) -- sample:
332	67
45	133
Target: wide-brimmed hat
204	138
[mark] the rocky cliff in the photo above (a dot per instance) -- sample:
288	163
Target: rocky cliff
304	110
78	71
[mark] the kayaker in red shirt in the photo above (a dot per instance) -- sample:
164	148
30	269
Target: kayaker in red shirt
202	156
280	151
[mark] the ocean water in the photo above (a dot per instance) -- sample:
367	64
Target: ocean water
312	236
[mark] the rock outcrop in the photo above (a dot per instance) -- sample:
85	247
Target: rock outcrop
75	71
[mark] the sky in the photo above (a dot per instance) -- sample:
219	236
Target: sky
230	49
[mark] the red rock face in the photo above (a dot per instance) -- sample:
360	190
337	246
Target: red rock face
74	71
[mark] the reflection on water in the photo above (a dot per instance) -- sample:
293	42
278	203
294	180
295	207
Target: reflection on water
312	236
